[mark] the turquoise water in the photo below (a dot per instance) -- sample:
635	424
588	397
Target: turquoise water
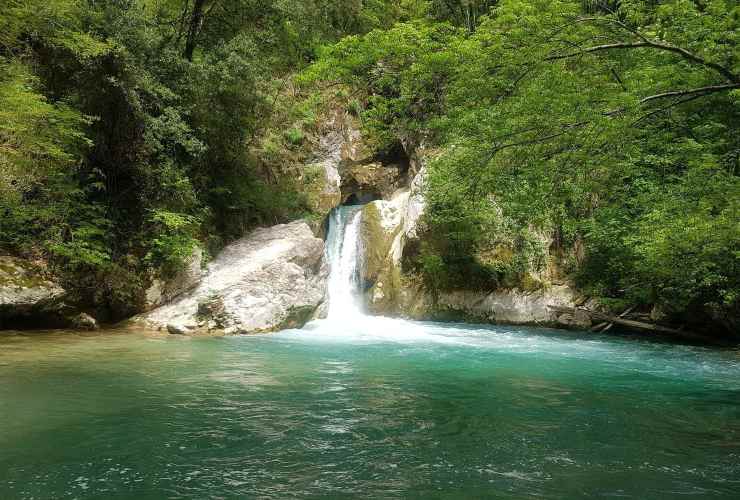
400	411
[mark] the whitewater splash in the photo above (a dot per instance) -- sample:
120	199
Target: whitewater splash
346	318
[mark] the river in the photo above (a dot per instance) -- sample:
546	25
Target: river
355	406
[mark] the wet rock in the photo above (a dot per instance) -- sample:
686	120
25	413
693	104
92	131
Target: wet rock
382	245
84	321
176	329
271	279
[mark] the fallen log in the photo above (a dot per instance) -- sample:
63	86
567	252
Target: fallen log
600	326
606	326
639	325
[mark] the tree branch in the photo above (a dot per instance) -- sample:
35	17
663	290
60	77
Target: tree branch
711	89
654	45
666	108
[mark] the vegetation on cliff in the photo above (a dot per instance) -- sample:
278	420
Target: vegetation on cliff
131	129
597	135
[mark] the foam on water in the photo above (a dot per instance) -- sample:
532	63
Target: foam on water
348	324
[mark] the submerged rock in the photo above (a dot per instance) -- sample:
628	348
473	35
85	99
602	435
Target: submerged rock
272	279
25	294
84	321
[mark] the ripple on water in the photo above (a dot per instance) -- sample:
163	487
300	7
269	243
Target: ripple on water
391	409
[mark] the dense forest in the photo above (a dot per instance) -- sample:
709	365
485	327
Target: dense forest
131	130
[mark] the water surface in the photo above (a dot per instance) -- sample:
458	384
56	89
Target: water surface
382	409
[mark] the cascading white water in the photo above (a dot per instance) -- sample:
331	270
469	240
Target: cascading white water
343	252
346	318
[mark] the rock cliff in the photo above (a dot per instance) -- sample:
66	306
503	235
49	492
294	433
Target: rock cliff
389	225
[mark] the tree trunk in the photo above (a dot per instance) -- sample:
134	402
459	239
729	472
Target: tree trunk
196	23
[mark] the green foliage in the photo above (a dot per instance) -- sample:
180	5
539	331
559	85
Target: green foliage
294	136
37	137
607	123
174	241
131	129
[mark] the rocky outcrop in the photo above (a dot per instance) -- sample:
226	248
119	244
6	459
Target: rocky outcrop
164	290
388	226
382	226
367	181
346	170
272	279
508	306
340	145
26	294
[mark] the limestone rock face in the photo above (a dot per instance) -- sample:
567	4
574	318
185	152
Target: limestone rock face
274	278
24	292
509	306
341	144
388	226
165	290
416	203
372	180
382	244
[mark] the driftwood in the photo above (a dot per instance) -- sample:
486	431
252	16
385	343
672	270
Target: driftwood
606	325
639	325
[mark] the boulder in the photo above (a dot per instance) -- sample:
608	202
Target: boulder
579	320
175	329
272	279
26	294
84	321
164	290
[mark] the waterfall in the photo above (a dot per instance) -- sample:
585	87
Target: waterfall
343	249
346	318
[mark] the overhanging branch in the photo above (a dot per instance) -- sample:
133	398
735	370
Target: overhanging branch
711	89
730	76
